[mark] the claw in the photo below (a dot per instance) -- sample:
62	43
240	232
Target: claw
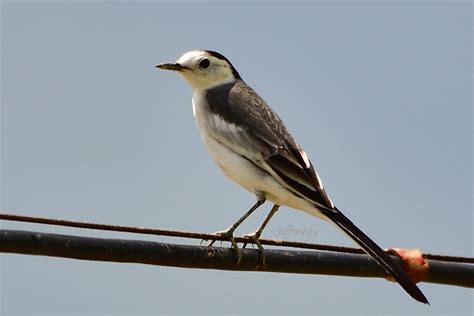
229	234
246	243
255	236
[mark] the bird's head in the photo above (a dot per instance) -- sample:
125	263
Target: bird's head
203	69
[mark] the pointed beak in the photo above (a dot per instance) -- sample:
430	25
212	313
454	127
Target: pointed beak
171	66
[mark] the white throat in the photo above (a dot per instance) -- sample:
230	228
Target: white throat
200	84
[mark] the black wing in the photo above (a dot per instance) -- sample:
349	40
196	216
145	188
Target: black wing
238	104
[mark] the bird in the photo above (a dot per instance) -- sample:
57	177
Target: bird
254	148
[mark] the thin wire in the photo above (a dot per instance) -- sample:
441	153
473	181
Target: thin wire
202	236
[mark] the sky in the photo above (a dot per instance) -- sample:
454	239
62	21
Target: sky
379	94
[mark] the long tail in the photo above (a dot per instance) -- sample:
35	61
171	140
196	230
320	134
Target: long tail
376	253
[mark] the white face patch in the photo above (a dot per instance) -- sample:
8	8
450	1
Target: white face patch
217	72
190	58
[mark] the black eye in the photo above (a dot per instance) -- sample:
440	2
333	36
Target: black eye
205	63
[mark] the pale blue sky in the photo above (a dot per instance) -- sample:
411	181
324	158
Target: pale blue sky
378	94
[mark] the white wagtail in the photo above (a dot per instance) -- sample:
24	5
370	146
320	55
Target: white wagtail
253	147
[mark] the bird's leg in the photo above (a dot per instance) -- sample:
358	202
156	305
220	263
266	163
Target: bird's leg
229	232
255	236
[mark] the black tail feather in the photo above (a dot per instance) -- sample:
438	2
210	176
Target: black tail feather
369	246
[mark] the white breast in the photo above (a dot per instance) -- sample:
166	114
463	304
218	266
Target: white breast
232	164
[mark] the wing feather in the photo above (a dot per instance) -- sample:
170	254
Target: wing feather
237	115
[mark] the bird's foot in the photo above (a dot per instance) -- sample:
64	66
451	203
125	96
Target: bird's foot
229	235
255	237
